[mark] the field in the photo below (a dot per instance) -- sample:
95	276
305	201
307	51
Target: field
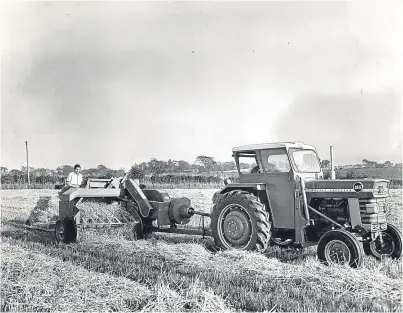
385	173
106	270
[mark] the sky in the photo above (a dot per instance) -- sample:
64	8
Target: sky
117	83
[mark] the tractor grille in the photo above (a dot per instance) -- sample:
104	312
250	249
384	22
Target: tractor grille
379	218
373	211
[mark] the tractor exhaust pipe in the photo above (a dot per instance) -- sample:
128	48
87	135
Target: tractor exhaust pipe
332	172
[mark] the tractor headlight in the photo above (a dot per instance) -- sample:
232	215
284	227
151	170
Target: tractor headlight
372	209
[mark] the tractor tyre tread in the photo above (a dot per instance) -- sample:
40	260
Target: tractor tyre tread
393	231
262	218
346	237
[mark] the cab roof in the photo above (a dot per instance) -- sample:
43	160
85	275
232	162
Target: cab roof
261	146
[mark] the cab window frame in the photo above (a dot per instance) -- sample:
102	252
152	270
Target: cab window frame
246	154
265	154
292	150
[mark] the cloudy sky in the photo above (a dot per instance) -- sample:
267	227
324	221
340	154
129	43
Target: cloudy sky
120	82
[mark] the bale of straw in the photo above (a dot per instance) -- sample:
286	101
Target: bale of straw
45	211
100	212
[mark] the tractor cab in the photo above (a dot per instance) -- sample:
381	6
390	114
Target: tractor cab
278	158
275	169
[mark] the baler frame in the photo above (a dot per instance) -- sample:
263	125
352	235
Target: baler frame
168	213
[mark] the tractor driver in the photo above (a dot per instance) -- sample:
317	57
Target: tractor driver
75	179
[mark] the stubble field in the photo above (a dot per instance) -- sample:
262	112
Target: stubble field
107	270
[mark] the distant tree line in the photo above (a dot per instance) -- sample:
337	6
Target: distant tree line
54	176
203	170
202	165
365	163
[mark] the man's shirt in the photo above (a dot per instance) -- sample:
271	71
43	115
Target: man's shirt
75	179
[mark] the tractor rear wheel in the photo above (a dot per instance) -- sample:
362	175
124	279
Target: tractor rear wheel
391	245
66	230
340	247
239	221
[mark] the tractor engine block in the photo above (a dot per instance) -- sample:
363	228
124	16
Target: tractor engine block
336	209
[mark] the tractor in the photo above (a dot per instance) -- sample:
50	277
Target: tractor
285	201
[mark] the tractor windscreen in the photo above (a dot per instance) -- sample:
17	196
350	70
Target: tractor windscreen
305	160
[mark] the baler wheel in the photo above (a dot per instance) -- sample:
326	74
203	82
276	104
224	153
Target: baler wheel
66	230
392	244
239	221
340	247
138	229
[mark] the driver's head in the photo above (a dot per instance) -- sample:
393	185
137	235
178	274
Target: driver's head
77	168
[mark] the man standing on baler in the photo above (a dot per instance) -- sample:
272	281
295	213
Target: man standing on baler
75	179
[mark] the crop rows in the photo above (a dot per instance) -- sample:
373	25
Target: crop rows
106	270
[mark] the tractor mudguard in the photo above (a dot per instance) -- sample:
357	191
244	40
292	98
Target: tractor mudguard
251	187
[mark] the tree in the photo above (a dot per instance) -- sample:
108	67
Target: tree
205	161
325	163
349	174
41	172
244	166
17	175
3	169
156	167
24	169
183	166
228	166
369	163
64	169
103	171
101	168
136	172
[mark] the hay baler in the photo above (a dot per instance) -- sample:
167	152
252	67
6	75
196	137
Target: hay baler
152	210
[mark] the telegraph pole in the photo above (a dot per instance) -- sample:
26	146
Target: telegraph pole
26	148
332	172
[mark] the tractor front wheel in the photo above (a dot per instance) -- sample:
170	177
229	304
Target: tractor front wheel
340	247
239	221
390	245
66	230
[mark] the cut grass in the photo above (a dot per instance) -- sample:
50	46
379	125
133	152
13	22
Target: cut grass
185	266
37	282
247	281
